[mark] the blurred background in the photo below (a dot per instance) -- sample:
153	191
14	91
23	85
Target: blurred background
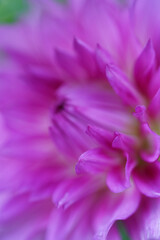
11	10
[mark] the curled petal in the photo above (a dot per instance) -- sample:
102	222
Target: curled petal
140	113
152	141
118	179
150	148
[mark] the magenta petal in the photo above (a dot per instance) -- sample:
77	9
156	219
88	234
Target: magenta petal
150	138
147	179
103	58
74	223
51	88
151	154
101	136
21	219
120	207
154	84
154	106
118	179
86	56
93	161
114	234
71	190
145	221
69	64
144	67
146	21
130	199
123	142
122	86
140	113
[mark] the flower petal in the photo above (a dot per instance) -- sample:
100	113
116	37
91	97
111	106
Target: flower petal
100	135
19	216
154	106
154	84
86	57
145	221
94	161
122	86
119	206
71	190
144	67
103	58
114	234
69	65
147	179
152	140
118	178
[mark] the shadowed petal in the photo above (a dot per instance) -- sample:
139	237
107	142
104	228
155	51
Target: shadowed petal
147	179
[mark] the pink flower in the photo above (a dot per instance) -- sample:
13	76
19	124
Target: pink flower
79	122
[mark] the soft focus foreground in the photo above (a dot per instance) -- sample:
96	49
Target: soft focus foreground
80	109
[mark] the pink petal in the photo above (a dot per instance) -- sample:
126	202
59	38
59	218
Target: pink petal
147	179
144	67
145	221
122	86
123	142
86	56
145	24
118	179
70	65
87	220
114	234
140	113
100	135
154	84
21	219
152	152
71	190
154	106
93	161
119	206
103	58
75	222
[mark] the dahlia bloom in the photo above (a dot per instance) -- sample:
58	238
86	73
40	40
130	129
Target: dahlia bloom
80	144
